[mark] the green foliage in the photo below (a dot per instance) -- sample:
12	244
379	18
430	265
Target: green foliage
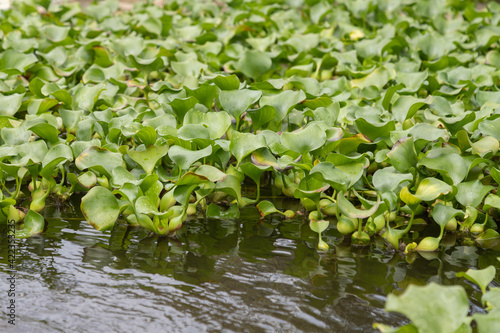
157	112
437	308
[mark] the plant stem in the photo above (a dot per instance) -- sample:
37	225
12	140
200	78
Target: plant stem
408	227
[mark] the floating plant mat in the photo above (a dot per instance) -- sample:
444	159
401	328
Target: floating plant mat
237	275
379	117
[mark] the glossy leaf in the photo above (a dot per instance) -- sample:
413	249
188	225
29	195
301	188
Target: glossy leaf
431	188
472	193
403	156
33	225
235	102
100	208
100	159
184	158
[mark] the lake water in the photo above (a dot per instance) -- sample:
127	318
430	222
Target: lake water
240	275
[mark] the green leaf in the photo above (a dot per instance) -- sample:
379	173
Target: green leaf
231	185
403	155
262	116
305	139
375	131
411	200
230	82
235	102
149	157
348	209
266	207
10	104
39	106
388	179
214	211
352	167
254	63
495	174
445	315
490	239
181	106
492	298
283	102
205	94
481	277
378	78
146	135
57	151
318	226
485	146
100	208
86	96
100	159
431	188
491	201
472	193
33	224
487	323
211	173
147	64
13	62
217	123
243	144
183	157
406	106
332	175
450	165
490	127
46	131
443	213
147	205
403	329
55	33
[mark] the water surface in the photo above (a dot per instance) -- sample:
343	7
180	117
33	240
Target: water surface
240	275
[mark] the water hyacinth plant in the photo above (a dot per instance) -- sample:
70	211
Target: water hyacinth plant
375	115
447	306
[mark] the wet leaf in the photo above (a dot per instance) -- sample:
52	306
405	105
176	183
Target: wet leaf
265	208
318	226
33	225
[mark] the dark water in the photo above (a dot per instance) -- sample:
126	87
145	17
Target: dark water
217	276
